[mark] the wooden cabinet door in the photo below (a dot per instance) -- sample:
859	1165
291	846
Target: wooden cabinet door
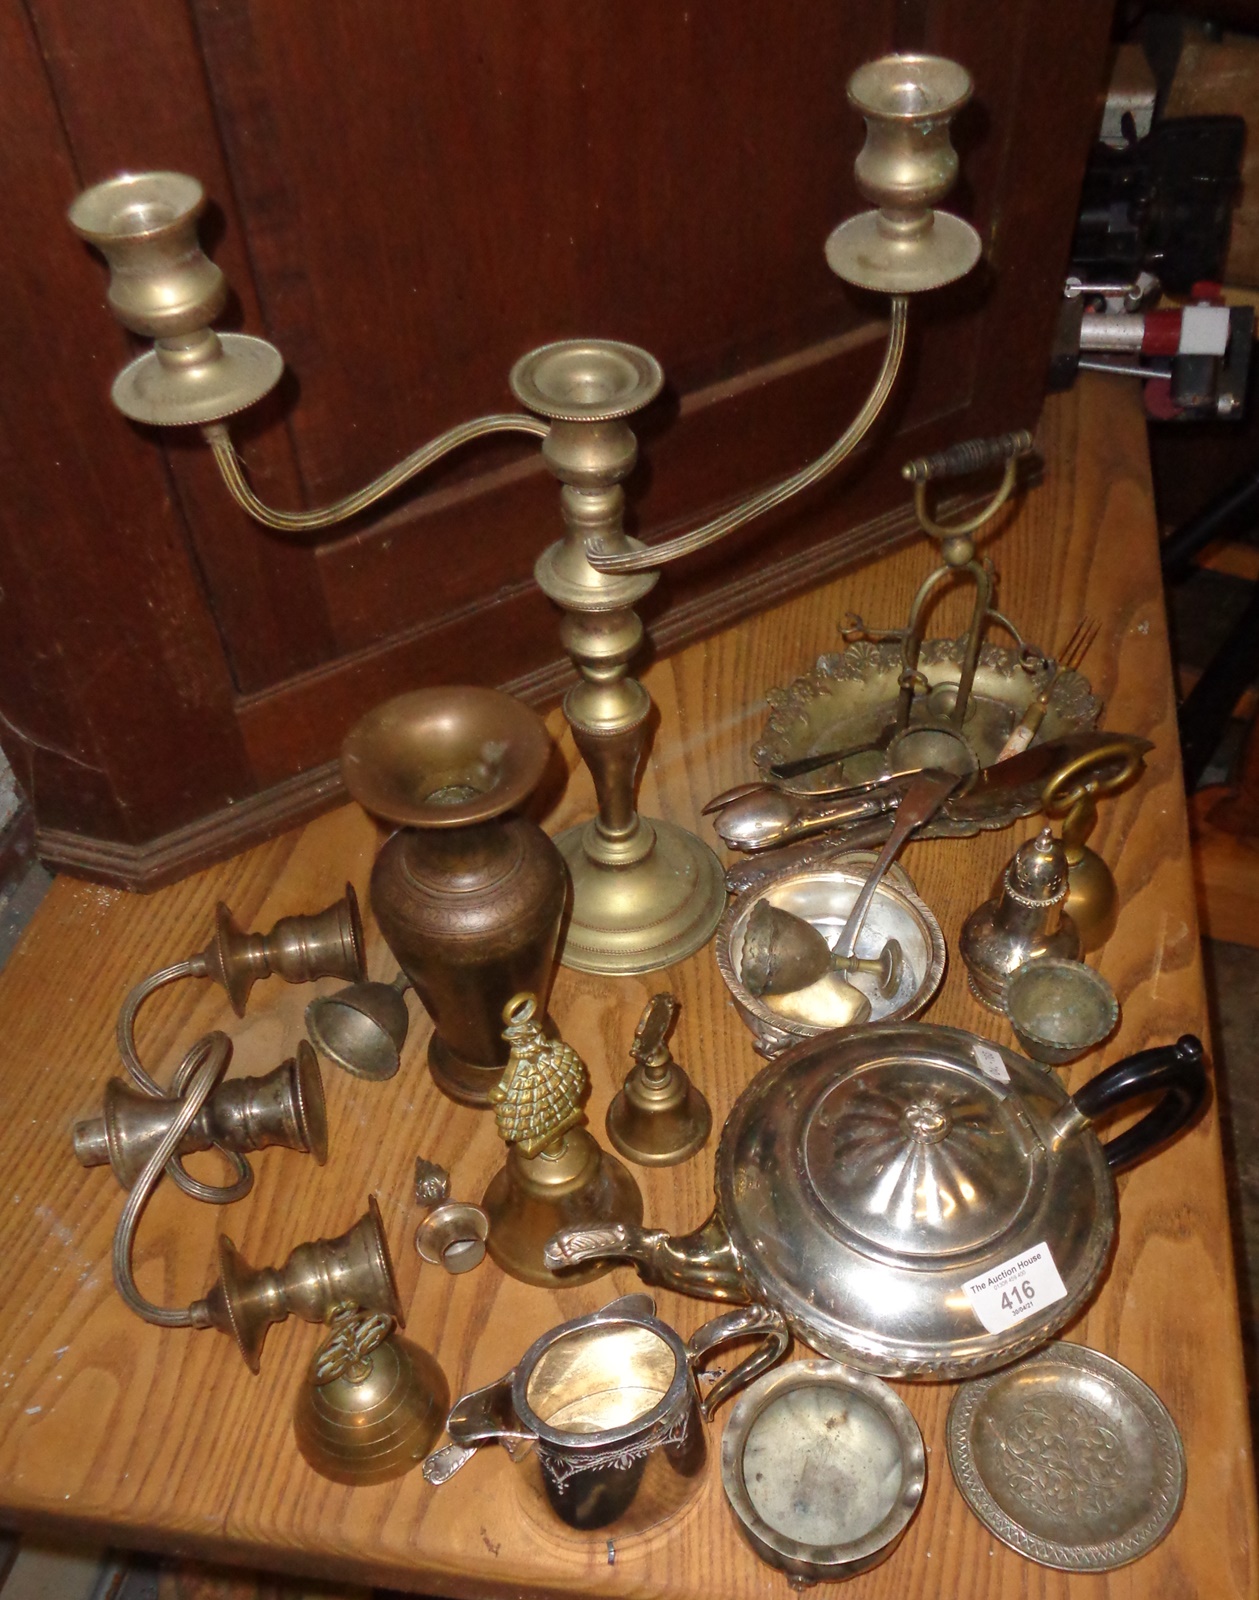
407	196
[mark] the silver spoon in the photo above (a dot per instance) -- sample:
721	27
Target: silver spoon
846	1004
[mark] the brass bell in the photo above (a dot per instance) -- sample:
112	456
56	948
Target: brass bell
373	1403
658	1117
285	1107
555	1175
317	1277
1072	793
323	944
363	1027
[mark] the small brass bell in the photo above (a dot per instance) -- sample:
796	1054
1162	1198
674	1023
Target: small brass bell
324	944
1072	793
363	1027
1024	922
373	1403
555	1175
658	1116
285	1108
317	1277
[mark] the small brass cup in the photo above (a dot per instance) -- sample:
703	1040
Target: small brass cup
1059	1009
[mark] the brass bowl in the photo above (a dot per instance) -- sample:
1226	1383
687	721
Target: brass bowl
823	896
849	700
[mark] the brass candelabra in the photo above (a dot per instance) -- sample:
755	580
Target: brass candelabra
646	892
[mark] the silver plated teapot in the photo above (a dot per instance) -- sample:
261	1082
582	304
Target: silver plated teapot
917	1201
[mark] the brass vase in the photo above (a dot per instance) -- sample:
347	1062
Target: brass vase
468	895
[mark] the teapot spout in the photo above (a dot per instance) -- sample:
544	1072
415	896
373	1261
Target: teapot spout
702	1263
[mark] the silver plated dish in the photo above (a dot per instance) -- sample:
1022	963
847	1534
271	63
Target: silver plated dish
850	697
823	896
823	1467
1068	1458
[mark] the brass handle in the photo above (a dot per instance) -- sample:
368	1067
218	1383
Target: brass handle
1084	776
972	455
1073	790
737	1325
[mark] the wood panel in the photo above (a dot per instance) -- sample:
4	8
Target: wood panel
162	1439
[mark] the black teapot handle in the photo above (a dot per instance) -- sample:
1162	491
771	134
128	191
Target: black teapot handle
1176	1072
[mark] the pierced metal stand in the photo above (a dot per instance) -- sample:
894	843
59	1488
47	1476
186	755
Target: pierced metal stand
941	741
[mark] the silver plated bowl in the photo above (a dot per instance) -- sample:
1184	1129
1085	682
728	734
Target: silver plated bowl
823	1467
824	897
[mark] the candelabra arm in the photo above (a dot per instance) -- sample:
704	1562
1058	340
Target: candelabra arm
756	505
219	440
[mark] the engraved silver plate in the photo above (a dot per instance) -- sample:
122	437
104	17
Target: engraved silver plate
1068	1458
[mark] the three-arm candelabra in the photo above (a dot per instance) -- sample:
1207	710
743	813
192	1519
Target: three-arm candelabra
645	892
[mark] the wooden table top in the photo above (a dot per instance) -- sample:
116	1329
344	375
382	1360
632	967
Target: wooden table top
162	1439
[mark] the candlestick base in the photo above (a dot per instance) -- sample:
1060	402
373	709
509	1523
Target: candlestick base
646	915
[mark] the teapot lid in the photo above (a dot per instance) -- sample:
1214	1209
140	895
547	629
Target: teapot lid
915	1158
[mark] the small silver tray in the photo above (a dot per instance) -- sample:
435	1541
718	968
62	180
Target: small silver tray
1068	1458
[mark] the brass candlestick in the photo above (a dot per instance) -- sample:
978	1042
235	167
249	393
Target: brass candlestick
285	1108
555	1172
646	893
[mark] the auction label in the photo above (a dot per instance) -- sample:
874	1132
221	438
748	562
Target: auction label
991	1063
1013	1290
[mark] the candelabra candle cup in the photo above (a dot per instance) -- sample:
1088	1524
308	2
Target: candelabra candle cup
285	1108
468	894
164	287
908	163
317	1277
